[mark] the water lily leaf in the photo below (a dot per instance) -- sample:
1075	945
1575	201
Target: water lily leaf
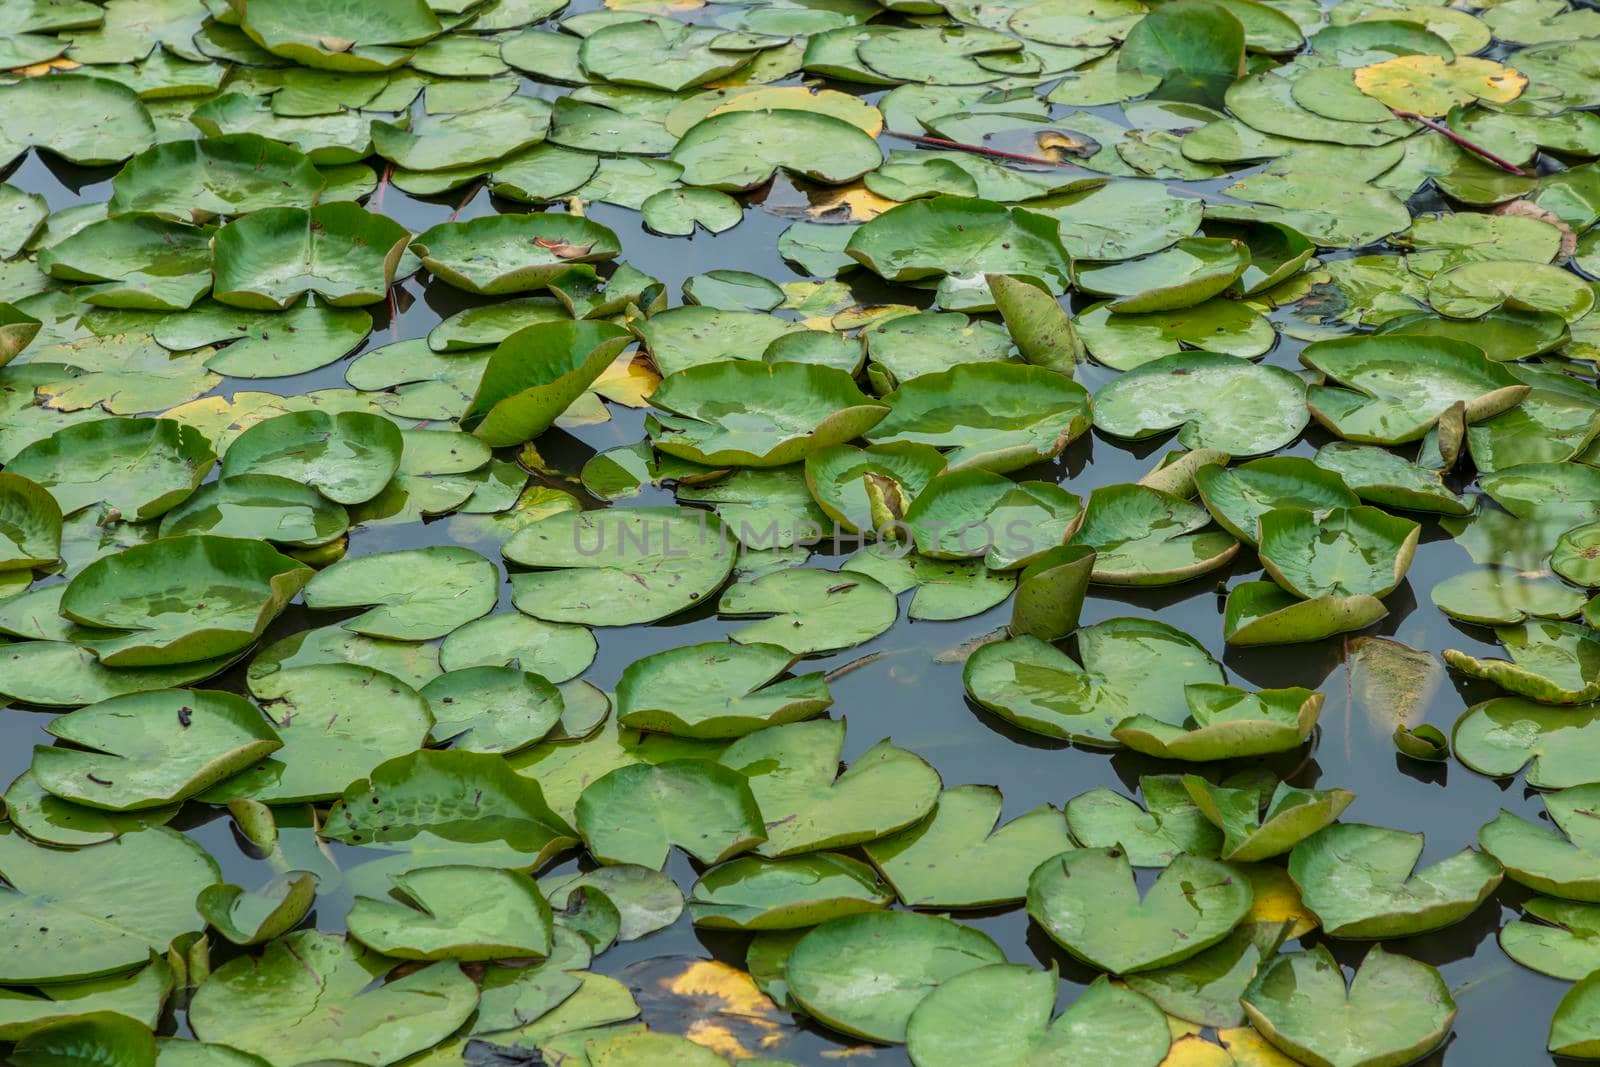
1099	223
944	589
739	150
268	344
181	599
50	820
535	374
751	893
865	974
131	756
1258	824
65	924
1555	422
1124	342
1335	212
1551	662
420	593
934	55
658	53
635	814
258	507
951	238
838	477
499	254
1358	881
1539	857
326	140
1226	722
257	916
1568	493
456	912
307	998
1565	948
1265	408
1037	323
197	180
1473	289
347	456
1086	900
30	524
89	121
618	567
1074	23
785	411
1168	825
17	331
136	998
1345	552
1143	536
961	857
810	611
1237	497
1501	736
61	674
139	261
337	720
338	38
1189	273
646	899
808	805
1397	1010
1196	49
492	708
1028	414
1381	477
927	342
1493	596
717	689
1051	591
1113	1025
1399	386
481	135
123	373
693	335
340	251
1130	666
975	513
676	212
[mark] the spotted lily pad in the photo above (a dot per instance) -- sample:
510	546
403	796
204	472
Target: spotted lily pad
1219	401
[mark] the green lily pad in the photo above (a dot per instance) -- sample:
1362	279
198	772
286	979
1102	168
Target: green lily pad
498	254
1038	324
717	689
1219	401
1087	902
1539	857
1397	1010
492	708
810	611
1258	824
1380	477
1473	289
1346	552
601	568
479	135
1167	826
635	814
1143	536
257	916
347	456
961	857
839	477
1551	662
62	674
193	181
1396	387
1555	422
89	121
1237	497
739	150
307	998
340	251
1025	415
138	468
658	53
1112	1025
1124	342
536	374
1130	666
258	506
1501	736
74	914
865	975
1492	596
129	756
181	599
30	524
944	589
751	893
327	36
419	593
1358	880
1563	945
459	912
927	342
268	344
808	805
136	261
784	411
1225	722
1191	272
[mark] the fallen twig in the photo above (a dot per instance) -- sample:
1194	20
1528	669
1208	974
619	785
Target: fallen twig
977	149
1476	149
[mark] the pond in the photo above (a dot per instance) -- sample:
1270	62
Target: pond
1456	275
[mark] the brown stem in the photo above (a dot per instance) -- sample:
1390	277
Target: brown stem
477	187
977	149
383	187
394	312
1476	149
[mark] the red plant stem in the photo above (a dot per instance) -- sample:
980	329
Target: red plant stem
977	149
383	186
394	313
1475	149
471	194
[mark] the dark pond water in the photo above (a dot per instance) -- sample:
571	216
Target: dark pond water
910	693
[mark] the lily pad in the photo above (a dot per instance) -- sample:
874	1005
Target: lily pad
1237	497
1551	662
335	37
1561	945
751	893
271	258
1219	401
498	254
138	468
1258	824
810	611
1493	596
462	913
1345	552
254	917
1130	666
347	456
717	689
419	593
1146	537
536	374
1503	735
1166	827
1225	723
197	180
635	814
735	151
30	524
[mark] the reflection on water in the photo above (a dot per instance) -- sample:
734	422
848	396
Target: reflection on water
911	689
